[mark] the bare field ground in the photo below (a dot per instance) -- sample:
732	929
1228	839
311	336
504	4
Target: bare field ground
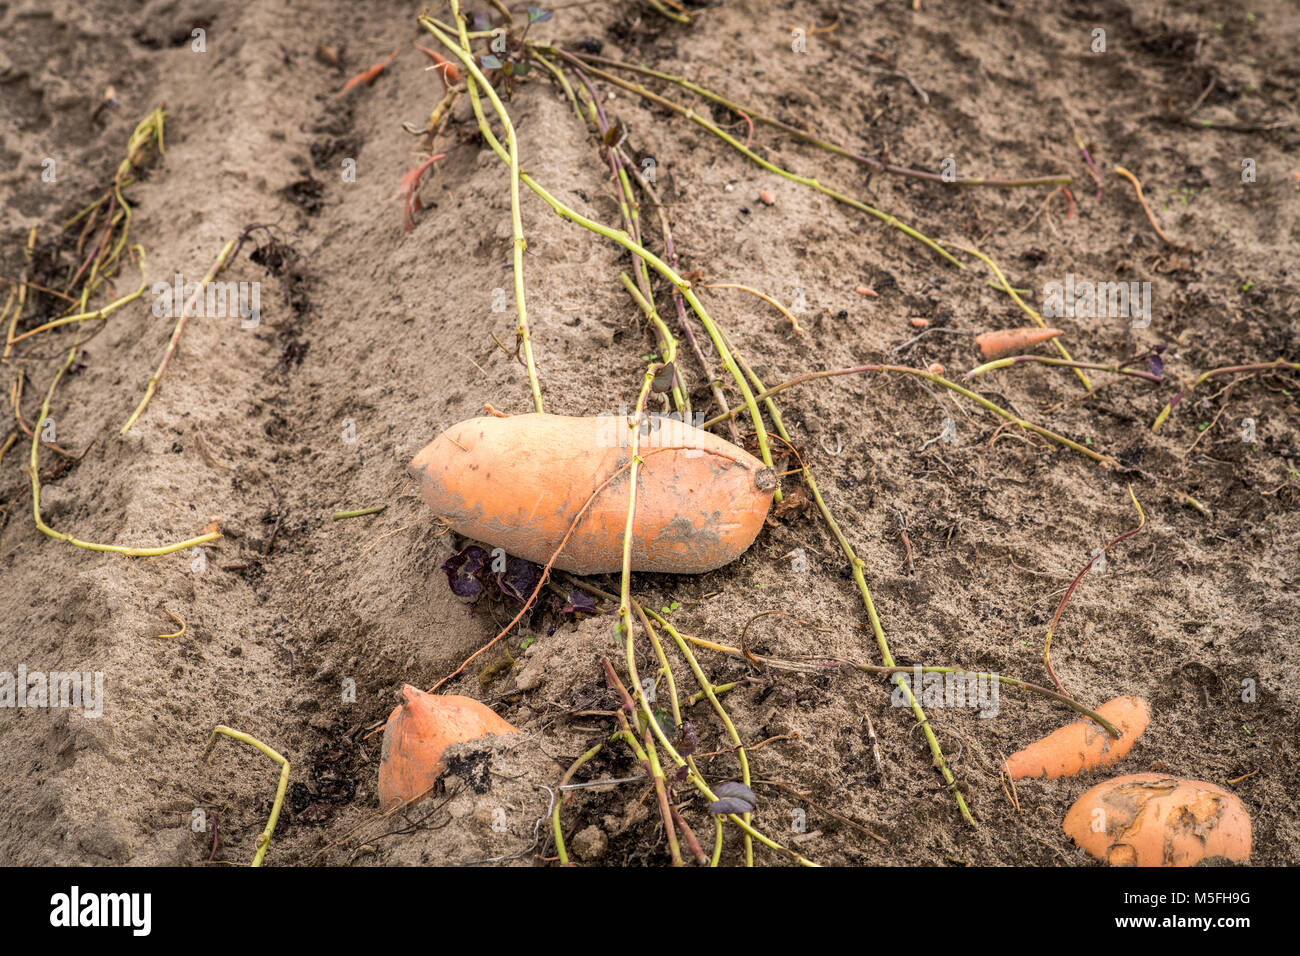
300	629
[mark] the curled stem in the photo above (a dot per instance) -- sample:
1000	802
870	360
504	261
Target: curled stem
1060	608
263	841
555	814
34	468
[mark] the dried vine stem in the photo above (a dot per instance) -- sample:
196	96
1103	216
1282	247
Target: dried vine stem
757	117
34	467
223	259
1137	187
1065	599
812	183
1226	370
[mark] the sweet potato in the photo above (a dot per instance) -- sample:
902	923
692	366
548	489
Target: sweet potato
994	345
417	733
519	482
1152	819
1082	745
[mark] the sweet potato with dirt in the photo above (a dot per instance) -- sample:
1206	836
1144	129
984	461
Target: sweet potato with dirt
419	730
519	482
1153	819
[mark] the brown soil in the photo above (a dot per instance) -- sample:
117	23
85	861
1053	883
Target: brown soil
362	321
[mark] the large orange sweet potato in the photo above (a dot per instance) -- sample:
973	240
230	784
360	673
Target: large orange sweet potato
518	483
1153	819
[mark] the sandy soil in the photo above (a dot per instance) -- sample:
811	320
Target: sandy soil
373	339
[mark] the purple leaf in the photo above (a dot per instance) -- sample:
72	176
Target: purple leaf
733	788
519	580
731	805
465	572
688	740
579	603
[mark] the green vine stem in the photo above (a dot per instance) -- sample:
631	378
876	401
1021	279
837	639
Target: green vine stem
519	244
708	691
619	236
263	841
100	313
34	467
764	396
744	150
667	344
1038	319
1061	363
856	566
555	814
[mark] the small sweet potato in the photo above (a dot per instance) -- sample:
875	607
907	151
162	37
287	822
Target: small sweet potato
995	345
1082	745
